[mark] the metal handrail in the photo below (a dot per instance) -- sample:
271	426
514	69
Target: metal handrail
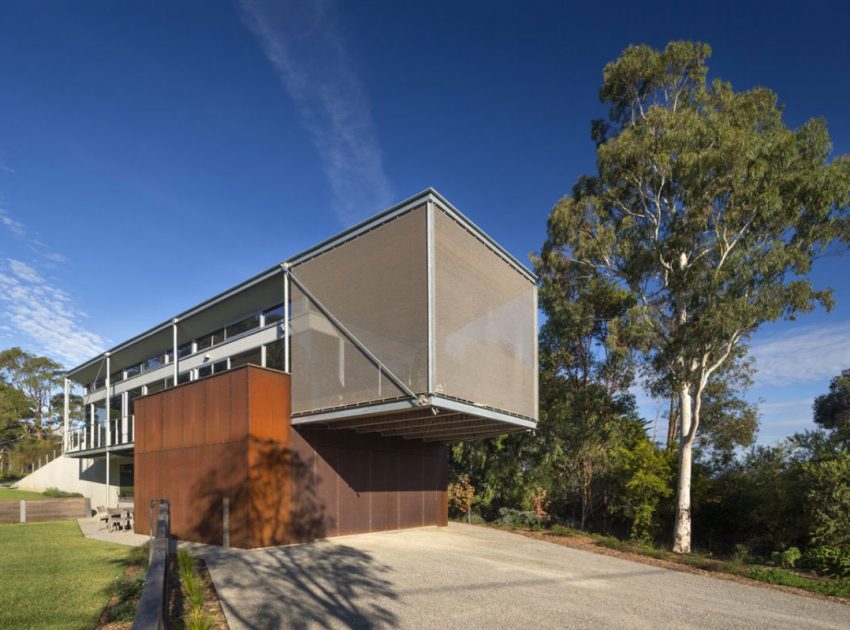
152	610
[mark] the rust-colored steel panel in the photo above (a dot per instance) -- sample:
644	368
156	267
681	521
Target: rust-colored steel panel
327	486
354	491
218	408
193	415
239	411
384	491
270	407
172	421
229	437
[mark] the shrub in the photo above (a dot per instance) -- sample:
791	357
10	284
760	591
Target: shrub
461	494
560	530
786	578
786	559
56	493
476	520
518	518
741	554
828	560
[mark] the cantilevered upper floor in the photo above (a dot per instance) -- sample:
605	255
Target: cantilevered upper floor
413	323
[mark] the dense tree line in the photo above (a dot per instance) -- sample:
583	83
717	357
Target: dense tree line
31	409
699	226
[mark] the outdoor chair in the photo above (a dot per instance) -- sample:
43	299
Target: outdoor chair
114	521
102	516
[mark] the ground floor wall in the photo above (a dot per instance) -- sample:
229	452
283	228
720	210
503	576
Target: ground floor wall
224	453
78	474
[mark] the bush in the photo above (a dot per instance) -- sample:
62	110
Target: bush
476	520
560	530
786	559
786	578
56	493
741	554
828	560
518	518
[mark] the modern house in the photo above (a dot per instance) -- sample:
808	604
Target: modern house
319	396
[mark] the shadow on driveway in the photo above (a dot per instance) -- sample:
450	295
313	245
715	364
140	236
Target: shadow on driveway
308	585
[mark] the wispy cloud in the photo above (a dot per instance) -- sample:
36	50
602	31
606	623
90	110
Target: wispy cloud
804	355
304	43
15	227
42	317
36	313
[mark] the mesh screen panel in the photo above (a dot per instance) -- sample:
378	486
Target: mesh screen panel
327	369
484	323
376	286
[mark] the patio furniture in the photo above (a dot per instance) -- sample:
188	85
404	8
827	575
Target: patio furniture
114	521
102	516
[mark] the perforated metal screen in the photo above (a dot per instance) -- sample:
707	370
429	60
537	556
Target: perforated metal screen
484	323
376	286
328	370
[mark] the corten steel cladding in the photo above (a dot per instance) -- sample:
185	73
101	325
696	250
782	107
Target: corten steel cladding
229	436
222	437
484	318
376	285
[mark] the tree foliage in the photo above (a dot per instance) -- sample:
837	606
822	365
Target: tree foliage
832	410
708	210
37	379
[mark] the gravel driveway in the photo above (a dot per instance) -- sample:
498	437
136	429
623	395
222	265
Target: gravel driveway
473	577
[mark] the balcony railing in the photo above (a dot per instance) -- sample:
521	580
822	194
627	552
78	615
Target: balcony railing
119	432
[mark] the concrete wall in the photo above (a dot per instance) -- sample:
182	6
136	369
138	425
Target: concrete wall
72	474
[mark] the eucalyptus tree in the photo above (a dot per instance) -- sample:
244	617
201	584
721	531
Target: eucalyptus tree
709	209
38	379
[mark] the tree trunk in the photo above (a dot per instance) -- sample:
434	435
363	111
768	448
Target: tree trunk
682	531
672	423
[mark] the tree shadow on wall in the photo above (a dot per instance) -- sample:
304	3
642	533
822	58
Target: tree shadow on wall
294	586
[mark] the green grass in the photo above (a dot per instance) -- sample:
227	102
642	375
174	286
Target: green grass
836	588
8	494
53	577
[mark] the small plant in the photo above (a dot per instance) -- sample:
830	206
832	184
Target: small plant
786	559
741	554
193	586
461	495
560	530
518	519
475	519
56	493
786	578
828	560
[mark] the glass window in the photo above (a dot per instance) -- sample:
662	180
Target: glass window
249	323
133	370
183	378
221	366
275	355
209	340
157	361
116	410
184	350
100	413
156	386
101	382
206	370
116	377
135	393
253	357
274	314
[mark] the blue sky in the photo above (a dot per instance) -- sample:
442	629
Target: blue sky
153	154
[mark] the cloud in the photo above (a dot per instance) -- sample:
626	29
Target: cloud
304	44
804	355
15	227
37	314
44	315
23	271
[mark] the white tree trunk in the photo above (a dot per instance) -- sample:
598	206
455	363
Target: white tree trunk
682	531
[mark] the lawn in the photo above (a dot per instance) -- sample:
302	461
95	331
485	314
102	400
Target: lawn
53	577
8	494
